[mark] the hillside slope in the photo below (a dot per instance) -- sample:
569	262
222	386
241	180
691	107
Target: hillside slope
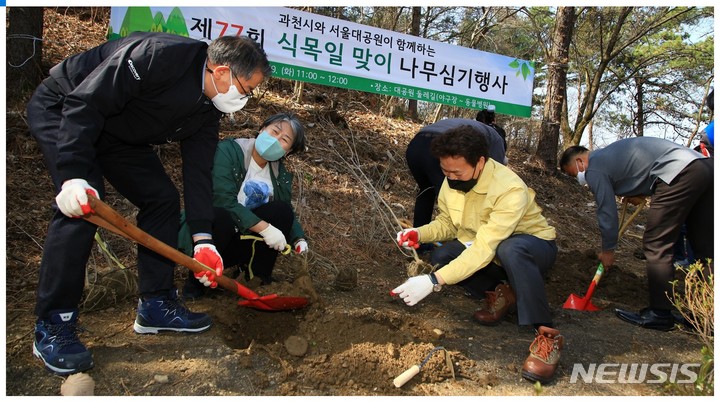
359	338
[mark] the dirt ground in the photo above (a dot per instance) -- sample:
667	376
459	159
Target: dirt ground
358	337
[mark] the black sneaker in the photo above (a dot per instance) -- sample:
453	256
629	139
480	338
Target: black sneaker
168	313
58	346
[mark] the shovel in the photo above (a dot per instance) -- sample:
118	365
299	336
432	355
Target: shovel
103	215
575	302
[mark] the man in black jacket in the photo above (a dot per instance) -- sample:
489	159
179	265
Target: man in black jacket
97	116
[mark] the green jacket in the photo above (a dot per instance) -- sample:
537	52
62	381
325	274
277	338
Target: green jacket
232	159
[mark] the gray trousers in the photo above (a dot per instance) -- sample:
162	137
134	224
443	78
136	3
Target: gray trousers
525	260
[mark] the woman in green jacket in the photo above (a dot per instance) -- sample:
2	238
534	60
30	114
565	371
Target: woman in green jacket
252	191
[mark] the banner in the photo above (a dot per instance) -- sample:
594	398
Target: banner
327	51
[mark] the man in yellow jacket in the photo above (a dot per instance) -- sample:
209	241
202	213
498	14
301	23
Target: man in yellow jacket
497	245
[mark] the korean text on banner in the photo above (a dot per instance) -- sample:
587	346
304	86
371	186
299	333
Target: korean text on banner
328	51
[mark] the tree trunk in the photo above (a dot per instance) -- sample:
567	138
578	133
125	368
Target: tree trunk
24	48
640	107
436	117
299	86
414	30
547	149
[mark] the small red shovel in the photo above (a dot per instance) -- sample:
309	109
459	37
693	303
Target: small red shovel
575	302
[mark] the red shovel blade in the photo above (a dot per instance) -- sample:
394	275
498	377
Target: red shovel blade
274	302
271	302
575	302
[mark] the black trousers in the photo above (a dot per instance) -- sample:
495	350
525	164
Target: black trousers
137	173
426	171
525	261
237	251
687	199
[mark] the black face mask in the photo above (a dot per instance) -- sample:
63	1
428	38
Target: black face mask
463	185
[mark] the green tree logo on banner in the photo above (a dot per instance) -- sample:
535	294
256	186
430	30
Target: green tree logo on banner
141	19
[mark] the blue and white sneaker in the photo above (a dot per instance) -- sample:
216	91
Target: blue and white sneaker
168	313
58	346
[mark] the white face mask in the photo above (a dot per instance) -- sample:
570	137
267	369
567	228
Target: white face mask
580	175
231	101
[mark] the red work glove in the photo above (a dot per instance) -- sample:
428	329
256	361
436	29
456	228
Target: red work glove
207	254
72	199
408	238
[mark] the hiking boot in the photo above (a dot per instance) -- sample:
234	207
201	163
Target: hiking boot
57	344
168	313
497	305
544	355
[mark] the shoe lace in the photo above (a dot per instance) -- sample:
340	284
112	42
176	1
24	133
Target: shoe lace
65	333
175	307
542	346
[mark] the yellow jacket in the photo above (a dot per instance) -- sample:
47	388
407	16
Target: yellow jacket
500	205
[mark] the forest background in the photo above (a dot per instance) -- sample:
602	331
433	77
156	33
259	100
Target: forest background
602	73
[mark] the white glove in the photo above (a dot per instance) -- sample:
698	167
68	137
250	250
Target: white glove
414	289
301	246
274	238
72	199
409	238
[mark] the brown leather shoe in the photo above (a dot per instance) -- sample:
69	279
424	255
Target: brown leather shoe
497	305
544	355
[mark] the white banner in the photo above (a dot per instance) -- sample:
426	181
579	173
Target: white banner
328	51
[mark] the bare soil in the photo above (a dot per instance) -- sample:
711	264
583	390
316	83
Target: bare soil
358	337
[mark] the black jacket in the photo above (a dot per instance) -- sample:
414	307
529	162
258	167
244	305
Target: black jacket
146	88
496	146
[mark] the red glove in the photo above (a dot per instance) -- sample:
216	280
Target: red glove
207	254
408	238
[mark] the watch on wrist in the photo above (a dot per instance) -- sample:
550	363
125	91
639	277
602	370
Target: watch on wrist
436	285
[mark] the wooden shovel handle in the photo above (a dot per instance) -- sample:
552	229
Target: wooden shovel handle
105	216
624	226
